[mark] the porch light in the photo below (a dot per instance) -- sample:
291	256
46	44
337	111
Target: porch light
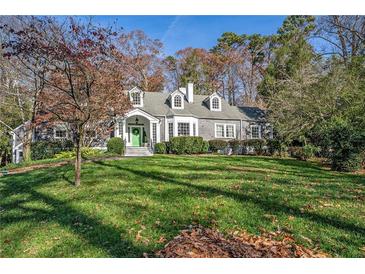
136	121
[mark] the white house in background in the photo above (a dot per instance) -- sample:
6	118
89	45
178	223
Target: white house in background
157	117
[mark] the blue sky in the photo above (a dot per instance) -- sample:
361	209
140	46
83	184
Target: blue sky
178	32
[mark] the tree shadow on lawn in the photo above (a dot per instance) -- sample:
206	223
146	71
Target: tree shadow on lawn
310	172
270	206
105	237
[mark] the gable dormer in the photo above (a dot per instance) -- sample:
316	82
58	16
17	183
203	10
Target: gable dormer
214	102
177	99
136	96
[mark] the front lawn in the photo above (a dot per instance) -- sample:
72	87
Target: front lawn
128	207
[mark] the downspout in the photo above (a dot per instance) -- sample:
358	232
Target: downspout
166	129
241	129
13	148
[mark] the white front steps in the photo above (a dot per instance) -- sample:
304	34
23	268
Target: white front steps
137	151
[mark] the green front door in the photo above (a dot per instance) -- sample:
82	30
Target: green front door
136	136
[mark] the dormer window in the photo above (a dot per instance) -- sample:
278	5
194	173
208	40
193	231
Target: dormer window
215	103
177	101
136	97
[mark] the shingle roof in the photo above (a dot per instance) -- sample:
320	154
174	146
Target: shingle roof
158	104
253	113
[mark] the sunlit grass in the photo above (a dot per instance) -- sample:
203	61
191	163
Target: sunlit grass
128	207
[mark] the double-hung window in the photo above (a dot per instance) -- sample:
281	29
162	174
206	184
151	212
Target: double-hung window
171	130
219	131
225	131
229	131
255	132
183	129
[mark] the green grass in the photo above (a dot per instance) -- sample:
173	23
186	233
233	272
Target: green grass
123	208
32	163
102	154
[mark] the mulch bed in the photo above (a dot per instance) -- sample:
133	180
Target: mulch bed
199	242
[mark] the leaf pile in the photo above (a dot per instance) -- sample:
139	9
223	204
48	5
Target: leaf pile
200	242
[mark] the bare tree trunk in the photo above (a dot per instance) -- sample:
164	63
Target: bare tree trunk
78	166
78	157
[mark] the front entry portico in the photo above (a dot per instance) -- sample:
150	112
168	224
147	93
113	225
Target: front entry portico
138	129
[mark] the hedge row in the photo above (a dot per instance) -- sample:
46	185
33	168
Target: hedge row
195	145
239	146
183	145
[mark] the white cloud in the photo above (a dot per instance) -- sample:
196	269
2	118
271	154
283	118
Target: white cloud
170	28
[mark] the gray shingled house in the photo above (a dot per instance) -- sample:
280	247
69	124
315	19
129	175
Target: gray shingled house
159	116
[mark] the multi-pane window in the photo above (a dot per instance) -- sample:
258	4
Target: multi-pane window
177	101
224	131
255	132
154	132
229	131
194	129
219	131
183	129
60	133
171	130
215	103
120	125
136	98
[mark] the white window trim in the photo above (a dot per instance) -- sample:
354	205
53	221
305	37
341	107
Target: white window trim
185	119
190	129
173	101
54	133
211	104
168	130
251	126
140	98
225	130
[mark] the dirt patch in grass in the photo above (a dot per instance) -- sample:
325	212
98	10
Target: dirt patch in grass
37	166
199	242
32	167
360	172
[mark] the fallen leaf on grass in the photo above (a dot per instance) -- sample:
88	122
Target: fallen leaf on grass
139	236
161	240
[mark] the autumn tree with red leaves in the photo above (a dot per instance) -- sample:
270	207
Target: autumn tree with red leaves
29	70
138	56
83	83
